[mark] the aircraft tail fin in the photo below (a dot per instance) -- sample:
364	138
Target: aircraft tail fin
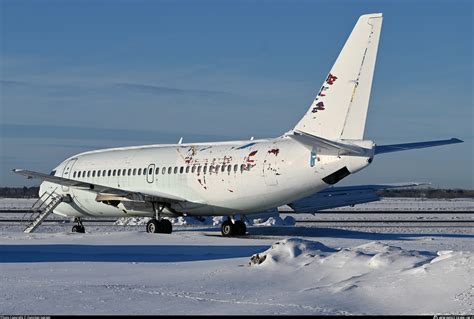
339	110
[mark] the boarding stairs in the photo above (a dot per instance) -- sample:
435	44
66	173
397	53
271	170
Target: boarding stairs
43	207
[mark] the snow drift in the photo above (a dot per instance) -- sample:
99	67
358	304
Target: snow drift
377	273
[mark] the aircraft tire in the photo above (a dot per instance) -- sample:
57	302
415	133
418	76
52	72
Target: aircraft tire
78	229
152	226
227	228
240	228
165	226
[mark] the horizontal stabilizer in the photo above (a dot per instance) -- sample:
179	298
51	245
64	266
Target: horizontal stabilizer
328	147
380	149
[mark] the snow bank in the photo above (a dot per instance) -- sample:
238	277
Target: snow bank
376	273
209	221
374	255
292	251
274	221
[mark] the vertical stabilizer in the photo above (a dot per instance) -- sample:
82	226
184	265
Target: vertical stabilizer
340	107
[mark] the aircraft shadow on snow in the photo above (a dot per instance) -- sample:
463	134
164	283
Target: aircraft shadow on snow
122	253
343	233
302	231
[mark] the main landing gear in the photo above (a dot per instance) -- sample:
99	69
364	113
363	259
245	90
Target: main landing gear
162	226
158	224
79	228
236	228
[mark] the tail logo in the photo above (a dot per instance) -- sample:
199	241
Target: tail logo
320	105
331	79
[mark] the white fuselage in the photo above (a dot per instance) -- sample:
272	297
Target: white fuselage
226	178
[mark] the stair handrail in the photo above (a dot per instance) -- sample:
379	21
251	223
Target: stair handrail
38	209
42	214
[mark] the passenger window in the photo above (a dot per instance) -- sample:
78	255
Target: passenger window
110	172
74	175
88	173
104	172
163	170
181	170
223	168
199	169
144	171
236	167
169	170
98	173
118	172
242	168
129	173
229	168
113	172
157	171
187	169
134	172
204	169
124	171
175	170
193	169
217	168
139	172
150	171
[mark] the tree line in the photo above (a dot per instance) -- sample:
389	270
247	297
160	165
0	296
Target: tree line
427	193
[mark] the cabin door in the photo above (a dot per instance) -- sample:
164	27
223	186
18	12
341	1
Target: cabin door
67	172
270	167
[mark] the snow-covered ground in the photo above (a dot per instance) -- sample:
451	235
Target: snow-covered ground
300	269
412	204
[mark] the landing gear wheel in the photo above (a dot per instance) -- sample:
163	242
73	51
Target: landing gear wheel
78	229
240	228
165	226
159	226
152	226
227	228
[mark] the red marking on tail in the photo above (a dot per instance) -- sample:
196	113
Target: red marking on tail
274	151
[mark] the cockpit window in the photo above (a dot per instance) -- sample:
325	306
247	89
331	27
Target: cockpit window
53	173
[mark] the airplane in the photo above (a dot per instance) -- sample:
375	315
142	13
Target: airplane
233	178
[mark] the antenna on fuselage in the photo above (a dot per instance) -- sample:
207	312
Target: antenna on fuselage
180	140
251	138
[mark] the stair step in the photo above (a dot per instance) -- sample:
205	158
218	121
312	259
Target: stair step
43	213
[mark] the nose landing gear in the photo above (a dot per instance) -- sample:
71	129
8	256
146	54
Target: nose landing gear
79	228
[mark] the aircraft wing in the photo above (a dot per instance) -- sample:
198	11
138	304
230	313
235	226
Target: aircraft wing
333	197
103	192
380	149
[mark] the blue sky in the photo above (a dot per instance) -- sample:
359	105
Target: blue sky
81	75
